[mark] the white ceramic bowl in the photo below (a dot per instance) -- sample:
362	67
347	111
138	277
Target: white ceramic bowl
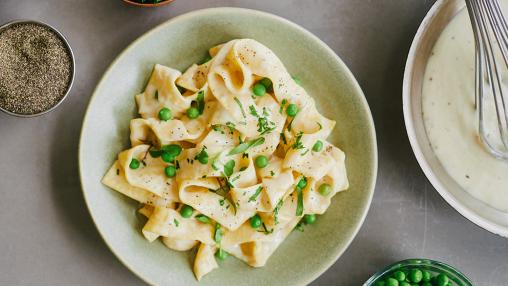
430	29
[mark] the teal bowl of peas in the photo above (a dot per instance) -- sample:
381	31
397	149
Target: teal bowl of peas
418	272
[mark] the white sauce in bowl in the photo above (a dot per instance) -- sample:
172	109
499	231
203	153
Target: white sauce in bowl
450	117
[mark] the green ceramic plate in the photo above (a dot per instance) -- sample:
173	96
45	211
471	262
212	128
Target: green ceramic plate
185	40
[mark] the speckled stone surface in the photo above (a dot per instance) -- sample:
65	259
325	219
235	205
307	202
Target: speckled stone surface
48	237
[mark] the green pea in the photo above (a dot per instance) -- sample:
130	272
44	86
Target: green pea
392	282
442	280
166	157
170	171
259	89
292	110
165	114
309	218
404	283
134	164
255	221
399	275
173	149
297	80
192	113
186	211
202	157
325	189
221	254
380	283
426	276
266	82
415	275
302	183
261	161
317	146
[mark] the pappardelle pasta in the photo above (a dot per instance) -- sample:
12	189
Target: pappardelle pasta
228	157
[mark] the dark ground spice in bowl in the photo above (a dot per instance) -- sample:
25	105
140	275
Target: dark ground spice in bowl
36	68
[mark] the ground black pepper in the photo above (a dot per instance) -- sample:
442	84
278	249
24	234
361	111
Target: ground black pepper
35	68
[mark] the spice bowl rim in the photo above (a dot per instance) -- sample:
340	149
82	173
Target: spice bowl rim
148	5
418	262
73	69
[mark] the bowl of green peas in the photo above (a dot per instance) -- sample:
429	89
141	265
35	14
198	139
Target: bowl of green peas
418	272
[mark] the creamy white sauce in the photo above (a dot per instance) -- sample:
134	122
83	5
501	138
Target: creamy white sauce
451	120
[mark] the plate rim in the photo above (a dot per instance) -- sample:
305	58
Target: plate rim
362	99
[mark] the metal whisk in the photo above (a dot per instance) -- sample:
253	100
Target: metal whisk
491	61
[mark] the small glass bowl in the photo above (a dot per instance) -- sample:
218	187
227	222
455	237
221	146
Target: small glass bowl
434	267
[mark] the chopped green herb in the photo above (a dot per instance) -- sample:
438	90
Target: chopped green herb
221	254
298	142
176	222
302	183
214	162
201	101
282	105
299	205
253	111
272	173
320	126
218	233
240	106
299	226
229	167
246	145
276	211
217	128
172	149
266	82
243	168
297	80
256	194
265	126
305	153
231	126
202	218
221	202
155	153
265	112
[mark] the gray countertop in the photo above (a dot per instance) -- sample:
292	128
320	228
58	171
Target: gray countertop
47	236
